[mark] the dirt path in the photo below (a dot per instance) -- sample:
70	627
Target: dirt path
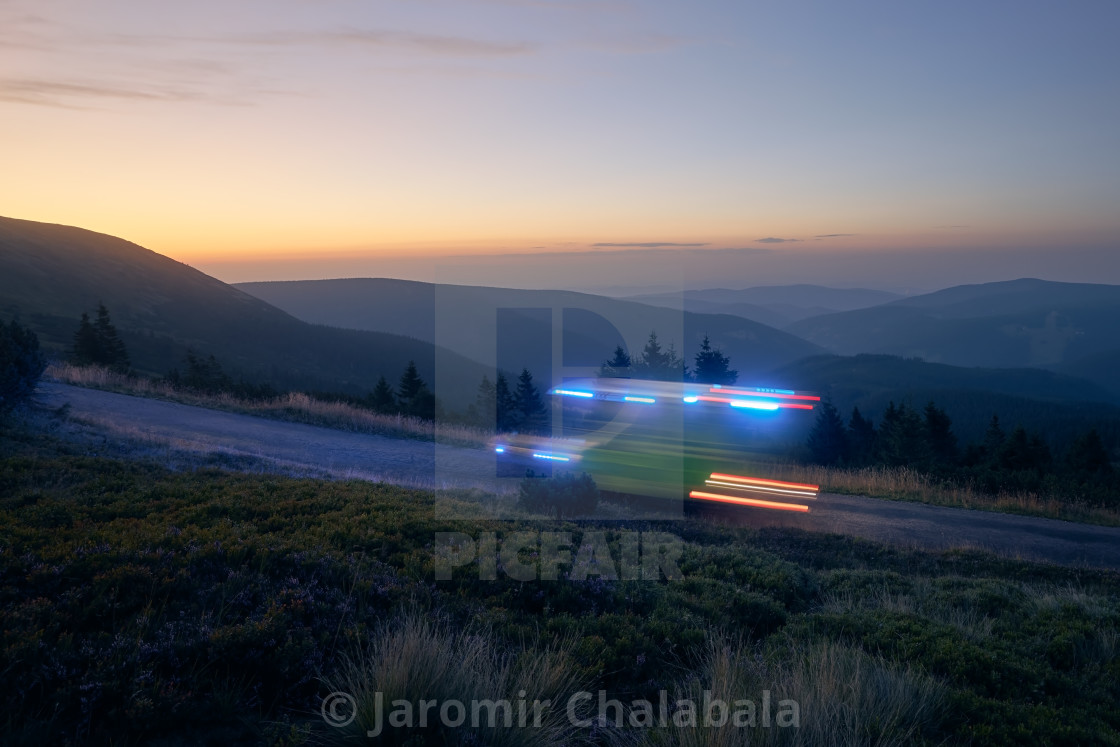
290	446
344	454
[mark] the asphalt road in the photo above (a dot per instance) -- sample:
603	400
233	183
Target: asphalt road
355	455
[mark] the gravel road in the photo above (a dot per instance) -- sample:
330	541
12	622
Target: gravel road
356	455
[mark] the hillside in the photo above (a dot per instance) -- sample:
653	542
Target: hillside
50	274
777	306
1023	322
468	315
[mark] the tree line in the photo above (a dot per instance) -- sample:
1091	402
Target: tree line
924	440
658	363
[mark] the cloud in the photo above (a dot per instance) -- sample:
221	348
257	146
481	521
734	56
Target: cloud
459	46
648	244
54	92
775	240
833	235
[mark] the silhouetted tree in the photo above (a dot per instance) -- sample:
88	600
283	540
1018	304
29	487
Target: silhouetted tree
993	439
205	375
1022	452
532	415
116	356
505	406
940	440
97	343
900	439
712	366
1088	456
617	367
828	439
413	396
659	364
85	351
861	438
21	364
381	399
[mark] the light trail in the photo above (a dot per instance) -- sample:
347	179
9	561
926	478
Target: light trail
760	481
753	502
762	489
754	404
552	457
774	394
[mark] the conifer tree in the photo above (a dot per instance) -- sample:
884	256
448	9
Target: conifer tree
1087	455
505	406
993	441
98	344
381	399
85	351
530	407
712	366
828	439
112	348
658	363
940	440
617	367
413	396
900	437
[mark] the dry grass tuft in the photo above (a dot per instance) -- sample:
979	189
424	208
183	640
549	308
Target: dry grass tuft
845	697
414	659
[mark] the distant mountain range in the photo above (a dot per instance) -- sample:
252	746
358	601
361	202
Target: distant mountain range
464	318
1008	324
777	306
341	335
50	274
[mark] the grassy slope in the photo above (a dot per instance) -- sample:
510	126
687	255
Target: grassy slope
139	604
50	274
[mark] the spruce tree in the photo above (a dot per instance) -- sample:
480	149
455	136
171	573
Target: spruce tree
657	363
712	366
993	441
900	437
98	344
940	440
505	406
381	399
617	367
86	351
1088	456
113	352
530	407
828	439
413	396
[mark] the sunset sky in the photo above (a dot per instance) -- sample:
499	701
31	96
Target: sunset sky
311	138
